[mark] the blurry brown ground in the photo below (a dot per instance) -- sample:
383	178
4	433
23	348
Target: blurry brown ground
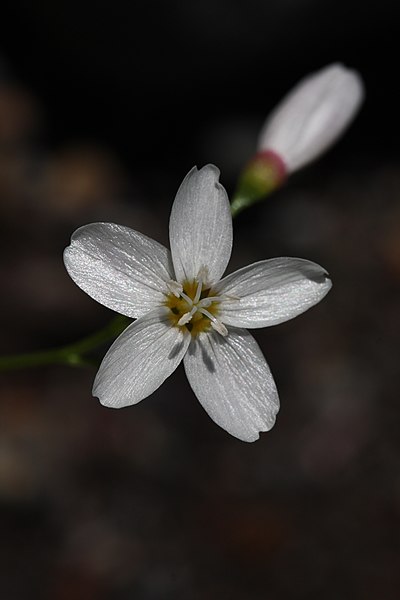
155	501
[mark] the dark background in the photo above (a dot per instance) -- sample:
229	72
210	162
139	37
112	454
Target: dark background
104	107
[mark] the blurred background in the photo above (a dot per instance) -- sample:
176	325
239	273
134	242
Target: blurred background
104	107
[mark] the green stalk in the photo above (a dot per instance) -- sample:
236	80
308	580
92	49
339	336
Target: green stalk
72	354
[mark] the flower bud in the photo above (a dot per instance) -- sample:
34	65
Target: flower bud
264	173
312	116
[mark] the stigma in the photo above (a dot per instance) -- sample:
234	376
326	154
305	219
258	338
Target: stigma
193	307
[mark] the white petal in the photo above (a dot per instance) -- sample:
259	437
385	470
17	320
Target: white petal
232	380
140	360
271	292
313	115
200	226
119	267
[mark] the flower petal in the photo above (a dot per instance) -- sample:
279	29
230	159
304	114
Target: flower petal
200	226
232	381
271	292
119	267
140	360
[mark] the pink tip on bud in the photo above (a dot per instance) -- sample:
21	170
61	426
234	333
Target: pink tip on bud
272	161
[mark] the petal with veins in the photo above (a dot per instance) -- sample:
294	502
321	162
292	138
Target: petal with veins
271	292
232	381
140	360
200	226
119	267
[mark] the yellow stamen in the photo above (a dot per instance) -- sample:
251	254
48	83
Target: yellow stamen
187	310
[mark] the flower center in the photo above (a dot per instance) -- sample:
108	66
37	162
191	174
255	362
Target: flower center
193	307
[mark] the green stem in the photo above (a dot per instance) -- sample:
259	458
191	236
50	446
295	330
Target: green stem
72	355
248	193
240	203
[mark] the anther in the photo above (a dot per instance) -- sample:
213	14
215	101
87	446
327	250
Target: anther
205	303
187	317
215	324
175	287
209	300
203	274
219	327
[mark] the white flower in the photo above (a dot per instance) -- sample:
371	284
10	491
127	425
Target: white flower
184	310
312	116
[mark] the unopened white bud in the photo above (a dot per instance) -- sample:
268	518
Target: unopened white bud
312	116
